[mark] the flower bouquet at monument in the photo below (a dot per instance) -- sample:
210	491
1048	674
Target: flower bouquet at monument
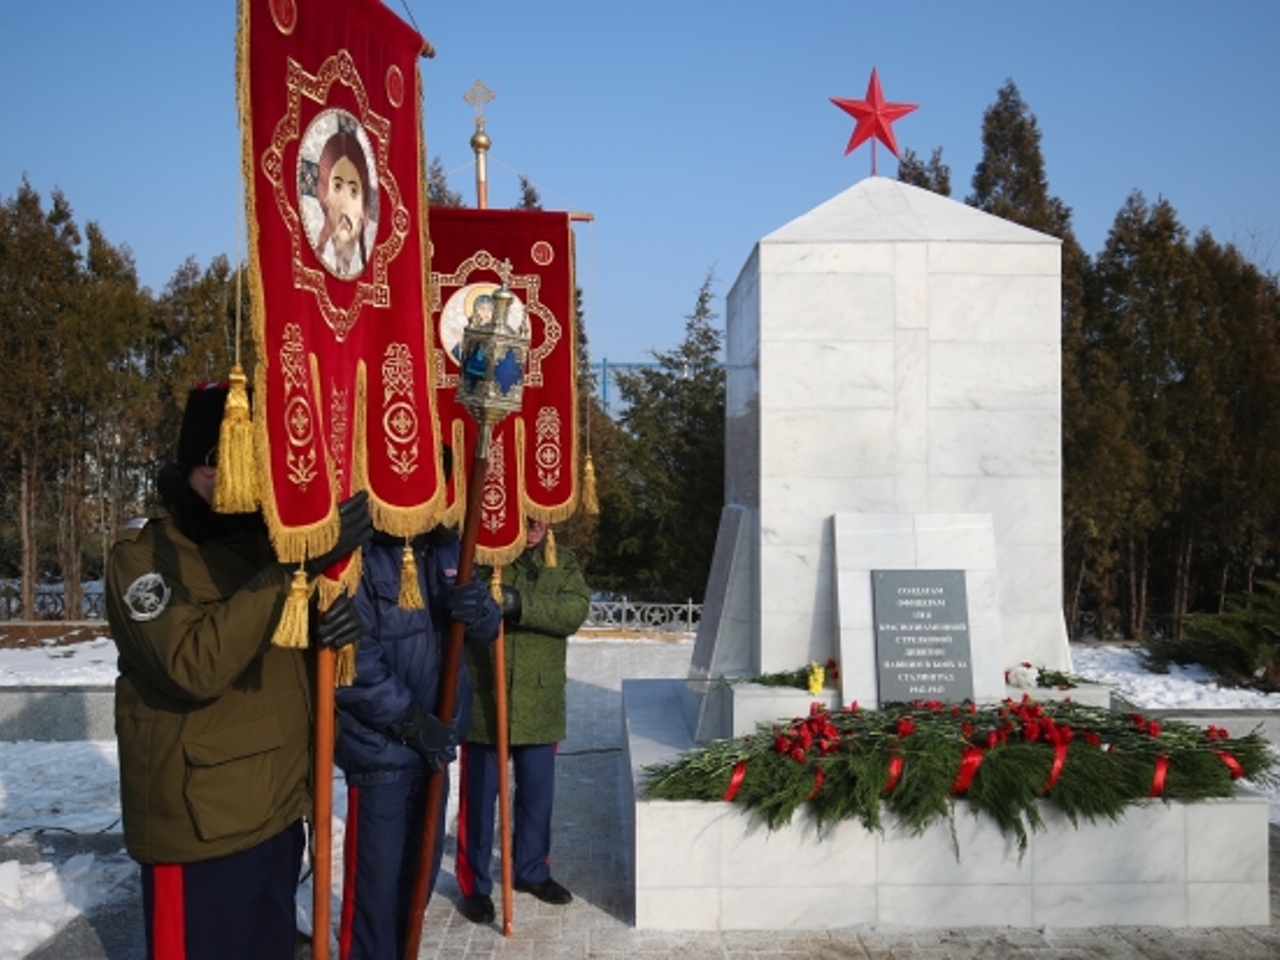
916	760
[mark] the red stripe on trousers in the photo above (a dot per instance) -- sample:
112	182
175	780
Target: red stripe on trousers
349	842
462	866
168	912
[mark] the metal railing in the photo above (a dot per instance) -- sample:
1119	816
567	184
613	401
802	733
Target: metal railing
624	614
620	614
51	602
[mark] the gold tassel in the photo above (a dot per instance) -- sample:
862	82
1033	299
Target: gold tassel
344	666
410	595
495	585
236	491
590	502
292	628
549	549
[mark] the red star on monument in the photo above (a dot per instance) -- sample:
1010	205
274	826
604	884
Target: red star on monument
875	119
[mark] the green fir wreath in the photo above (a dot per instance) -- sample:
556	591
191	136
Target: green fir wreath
917	760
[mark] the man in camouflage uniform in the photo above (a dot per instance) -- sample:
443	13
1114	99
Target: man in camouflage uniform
213	722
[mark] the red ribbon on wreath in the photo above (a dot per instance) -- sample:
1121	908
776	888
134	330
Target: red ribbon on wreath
895	773
735	781
969	763
1157	779
818	780
1059	759
1232	763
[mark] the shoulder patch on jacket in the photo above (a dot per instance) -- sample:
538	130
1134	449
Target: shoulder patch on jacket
147	597
129	532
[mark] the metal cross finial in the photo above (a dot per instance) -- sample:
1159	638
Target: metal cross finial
478	96
504	271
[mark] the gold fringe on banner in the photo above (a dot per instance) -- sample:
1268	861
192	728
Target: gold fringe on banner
590	502
410	596
236	488
344	666
291	631
549	556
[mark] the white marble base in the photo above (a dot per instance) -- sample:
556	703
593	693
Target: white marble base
709	866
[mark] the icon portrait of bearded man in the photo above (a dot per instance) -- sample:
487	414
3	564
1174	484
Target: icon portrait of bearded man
348	206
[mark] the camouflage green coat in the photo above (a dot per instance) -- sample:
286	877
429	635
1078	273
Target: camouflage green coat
554	604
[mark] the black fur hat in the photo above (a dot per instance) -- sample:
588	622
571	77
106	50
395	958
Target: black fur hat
201	425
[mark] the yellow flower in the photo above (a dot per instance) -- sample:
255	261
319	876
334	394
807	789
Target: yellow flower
817	677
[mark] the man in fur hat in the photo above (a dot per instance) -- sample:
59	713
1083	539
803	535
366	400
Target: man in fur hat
213	722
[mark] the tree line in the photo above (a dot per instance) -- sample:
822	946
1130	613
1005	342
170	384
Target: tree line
1170	386
1170	397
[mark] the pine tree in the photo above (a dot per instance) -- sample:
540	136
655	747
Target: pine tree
438	192
934	175
39	287
658	529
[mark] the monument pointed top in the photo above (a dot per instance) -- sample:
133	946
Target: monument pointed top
881	209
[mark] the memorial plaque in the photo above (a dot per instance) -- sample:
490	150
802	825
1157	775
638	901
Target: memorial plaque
922	635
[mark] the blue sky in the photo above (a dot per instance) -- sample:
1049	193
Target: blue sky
688	129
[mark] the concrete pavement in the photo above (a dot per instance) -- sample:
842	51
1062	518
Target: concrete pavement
591	858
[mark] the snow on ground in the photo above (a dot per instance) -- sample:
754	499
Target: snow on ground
73	787
1182	688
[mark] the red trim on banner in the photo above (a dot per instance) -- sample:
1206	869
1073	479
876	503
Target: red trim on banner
735	781
895	773
1158	777
1232	763
970	761
168	912
1059	758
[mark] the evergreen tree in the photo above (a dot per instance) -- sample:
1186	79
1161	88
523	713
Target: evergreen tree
438	192
934	175
1151	324
658	526
39	289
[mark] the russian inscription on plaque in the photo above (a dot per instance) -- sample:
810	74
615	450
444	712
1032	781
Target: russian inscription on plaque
922	635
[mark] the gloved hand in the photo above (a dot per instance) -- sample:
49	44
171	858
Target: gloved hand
435	741
511	605
466	601
354	531
340	625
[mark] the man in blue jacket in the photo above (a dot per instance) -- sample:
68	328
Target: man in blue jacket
388	736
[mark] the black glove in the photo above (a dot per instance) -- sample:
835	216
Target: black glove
434	741
355	528
511	606
340	625
467	601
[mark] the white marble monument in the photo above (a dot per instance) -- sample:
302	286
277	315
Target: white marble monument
893	364
894	405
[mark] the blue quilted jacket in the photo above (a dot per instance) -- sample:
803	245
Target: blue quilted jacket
399	657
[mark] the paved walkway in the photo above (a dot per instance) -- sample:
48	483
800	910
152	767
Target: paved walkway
591	858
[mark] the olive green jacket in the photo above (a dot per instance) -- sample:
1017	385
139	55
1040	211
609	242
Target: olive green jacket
554	604
212	721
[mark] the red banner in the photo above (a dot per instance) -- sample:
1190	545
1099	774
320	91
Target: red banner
533	455
330	109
